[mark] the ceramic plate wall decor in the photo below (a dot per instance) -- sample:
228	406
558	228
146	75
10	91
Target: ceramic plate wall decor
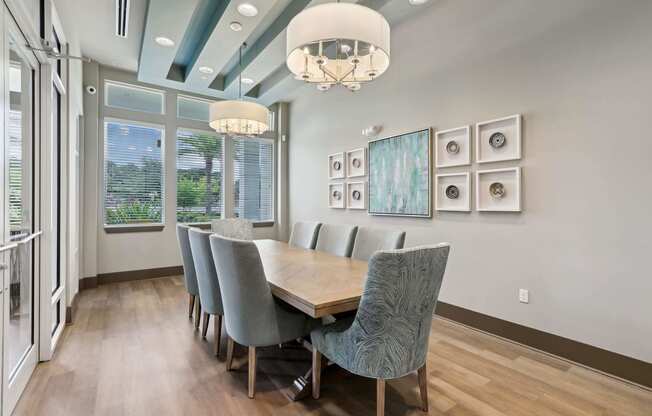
497	140
497	190
452	147
336	167
356	162
452	192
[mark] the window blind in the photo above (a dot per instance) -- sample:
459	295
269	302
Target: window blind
133	173
253	179
200	169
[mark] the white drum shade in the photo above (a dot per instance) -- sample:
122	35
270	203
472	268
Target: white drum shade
239	117
352	24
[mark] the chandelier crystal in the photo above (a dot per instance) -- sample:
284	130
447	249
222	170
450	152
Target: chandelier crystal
239	117
338	43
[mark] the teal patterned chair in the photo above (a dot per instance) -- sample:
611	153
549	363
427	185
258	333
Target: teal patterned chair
388	337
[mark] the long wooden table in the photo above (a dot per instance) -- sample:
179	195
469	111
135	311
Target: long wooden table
314	282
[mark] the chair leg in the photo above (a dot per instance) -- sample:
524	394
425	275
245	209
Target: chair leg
252	372
423	386
197	312
217	328
191	304
229	353
380	397
204	327
316	373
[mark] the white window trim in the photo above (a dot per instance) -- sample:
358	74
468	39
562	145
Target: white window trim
134	226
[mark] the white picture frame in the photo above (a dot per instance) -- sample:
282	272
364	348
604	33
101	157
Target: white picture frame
463	183
510	127
510	178
356	162
333	161
333	201
351	201
461	136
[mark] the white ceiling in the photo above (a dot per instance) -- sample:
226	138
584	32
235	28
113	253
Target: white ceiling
92	22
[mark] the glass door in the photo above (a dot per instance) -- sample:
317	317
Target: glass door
18	237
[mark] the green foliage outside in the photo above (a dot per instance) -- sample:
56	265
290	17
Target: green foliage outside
133	192
199	189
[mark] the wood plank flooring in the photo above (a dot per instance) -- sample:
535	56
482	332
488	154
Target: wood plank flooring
133	351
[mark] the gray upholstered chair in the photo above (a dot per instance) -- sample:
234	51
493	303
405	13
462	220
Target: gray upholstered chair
189	275
253	317
336	239
304	234
388	337
234	228
369	240
209	286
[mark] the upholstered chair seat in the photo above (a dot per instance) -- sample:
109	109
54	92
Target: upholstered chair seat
336	239
304	234
189	275
388	337
253	317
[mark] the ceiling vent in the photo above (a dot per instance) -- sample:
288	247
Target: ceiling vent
121	17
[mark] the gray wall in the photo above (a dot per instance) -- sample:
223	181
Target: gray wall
580	73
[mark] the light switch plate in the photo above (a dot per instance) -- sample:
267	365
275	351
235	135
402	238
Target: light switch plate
524	296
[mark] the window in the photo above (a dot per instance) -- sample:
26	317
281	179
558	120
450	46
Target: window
192	109
133	173
200	168
133	98
253	179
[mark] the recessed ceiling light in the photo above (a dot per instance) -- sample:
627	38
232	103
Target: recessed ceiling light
163	41
247	81
235	26
247	9
205	70
417	2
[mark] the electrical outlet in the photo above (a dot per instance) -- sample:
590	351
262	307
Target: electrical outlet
524	296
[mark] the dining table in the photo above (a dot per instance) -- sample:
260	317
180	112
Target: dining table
315	282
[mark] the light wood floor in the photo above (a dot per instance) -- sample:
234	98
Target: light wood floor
133	351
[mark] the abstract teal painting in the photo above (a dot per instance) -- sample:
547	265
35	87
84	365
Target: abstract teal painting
399	175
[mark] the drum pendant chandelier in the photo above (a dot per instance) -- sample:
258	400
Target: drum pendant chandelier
239	117
338	43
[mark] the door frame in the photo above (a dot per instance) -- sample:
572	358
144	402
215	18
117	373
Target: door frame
13	388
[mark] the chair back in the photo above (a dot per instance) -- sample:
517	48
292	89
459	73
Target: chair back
234	228
393	321
369	240
209	285
189	275
336	239
304	234
249	310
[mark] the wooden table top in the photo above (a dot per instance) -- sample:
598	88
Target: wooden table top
314	282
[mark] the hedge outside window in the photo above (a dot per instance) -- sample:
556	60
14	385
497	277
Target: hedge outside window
133	173
200	169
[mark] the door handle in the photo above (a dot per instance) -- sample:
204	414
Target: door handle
7	247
